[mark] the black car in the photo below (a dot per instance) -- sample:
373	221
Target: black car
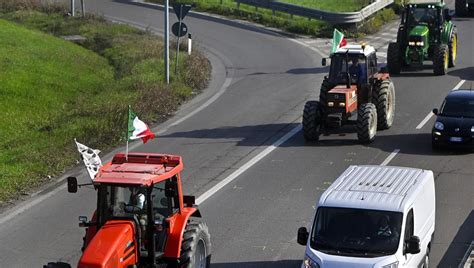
454	124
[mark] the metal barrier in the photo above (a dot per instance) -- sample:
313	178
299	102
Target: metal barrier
331	17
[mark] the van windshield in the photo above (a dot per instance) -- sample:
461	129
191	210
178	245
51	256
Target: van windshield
356	232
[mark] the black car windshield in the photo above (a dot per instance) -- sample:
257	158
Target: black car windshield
356	232
458	107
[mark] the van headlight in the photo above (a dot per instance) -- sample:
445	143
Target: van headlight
439	126
391	265
309	263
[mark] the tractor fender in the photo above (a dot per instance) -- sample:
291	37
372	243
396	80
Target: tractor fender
447	33
177	225
382	76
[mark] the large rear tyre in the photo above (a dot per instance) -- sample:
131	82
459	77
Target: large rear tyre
384	100
323	92
312	120
196	246
367	123
461	9
453	48
394	60
440	59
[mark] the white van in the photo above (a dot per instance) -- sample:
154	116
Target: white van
373	216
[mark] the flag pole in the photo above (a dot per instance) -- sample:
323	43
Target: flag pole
128	120
126	152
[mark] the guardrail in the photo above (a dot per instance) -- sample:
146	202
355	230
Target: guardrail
331	17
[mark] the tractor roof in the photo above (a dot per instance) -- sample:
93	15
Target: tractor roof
139	168
426	2
356	49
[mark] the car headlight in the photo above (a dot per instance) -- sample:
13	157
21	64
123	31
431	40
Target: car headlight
391	265
472	129
309	263
439	126
331	104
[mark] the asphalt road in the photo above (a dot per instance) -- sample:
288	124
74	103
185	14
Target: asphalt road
263	80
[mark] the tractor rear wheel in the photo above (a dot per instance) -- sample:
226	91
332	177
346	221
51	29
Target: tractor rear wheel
394	60
196	246
312	120
440	59
384	100
366	122
461	9
453	48
323	93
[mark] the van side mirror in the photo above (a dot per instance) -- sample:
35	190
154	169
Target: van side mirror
302	237
412	245
72	184
435	111
323	62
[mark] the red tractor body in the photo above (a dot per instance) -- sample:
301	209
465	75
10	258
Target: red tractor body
142	216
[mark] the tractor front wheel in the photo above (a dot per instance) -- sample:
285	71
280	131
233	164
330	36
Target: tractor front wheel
323	92
384	99
196	246
367	122
453	49
394	59
440	59
312	120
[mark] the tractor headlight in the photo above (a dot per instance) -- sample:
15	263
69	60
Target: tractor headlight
411	43
420	44
342	104
309	263
439	126
472	129
391	265
331	104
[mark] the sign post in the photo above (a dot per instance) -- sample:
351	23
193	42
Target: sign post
179	28
167	42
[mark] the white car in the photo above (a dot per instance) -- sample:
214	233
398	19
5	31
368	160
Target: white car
373	216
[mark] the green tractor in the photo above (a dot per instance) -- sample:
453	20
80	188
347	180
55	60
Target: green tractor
463	7
426	33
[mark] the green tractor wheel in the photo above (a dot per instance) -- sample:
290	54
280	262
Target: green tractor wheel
453	48
394	59
440	59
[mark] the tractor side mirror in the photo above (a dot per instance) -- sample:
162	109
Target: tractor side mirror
447	14
348	80
72	184
302	237
435	111
323	62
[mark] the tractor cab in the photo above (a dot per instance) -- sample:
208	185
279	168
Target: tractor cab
142	216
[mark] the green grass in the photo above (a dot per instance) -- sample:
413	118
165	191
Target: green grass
54	91
330	5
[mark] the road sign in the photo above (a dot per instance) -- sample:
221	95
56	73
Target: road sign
177	32
181	10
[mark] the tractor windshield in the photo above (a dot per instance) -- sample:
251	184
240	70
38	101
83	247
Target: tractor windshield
422	15
356	232
344	65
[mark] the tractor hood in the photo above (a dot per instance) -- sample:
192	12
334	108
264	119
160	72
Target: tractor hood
113	246
419	30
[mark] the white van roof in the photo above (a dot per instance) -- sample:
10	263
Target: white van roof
375	187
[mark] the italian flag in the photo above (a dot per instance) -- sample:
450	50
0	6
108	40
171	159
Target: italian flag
338	41
137	129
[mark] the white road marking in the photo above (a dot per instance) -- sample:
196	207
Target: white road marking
247	165
428	117
390	157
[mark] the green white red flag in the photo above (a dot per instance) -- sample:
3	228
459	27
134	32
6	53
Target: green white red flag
137	129
338	41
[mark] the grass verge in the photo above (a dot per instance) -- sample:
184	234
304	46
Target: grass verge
54	90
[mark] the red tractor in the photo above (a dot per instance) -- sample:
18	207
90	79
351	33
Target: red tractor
354	87
142	218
